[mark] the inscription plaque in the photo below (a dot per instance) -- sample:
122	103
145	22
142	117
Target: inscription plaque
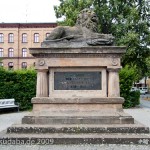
77	80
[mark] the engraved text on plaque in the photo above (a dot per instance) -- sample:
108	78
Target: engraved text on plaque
77	80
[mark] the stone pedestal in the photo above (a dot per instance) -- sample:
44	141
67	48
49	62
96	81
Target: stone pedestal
78	85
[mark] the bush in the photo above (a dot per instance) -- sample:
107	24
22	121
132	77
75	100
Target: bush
135	98
20	85
127	77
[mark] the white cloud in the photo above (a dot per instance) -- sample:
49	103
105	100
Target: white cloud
27	10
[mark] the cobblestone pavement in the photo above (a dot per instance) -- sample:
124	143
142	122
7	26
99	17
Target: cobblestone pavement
141	114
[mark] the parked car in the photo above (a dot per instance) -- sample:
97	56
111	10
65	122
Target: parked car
146	89
134	89
143	89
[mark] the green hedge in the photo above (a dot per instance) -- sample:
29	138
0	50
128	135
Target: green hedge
20	85
134	98
127	77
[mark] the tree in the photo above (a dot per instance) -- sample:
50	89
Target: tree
70	9
127	20
148	64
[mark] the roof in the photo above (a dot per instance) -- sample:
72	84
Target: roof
28	25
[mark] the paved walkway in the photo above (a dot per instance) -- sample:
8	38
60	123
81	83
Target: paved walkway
6	120
141	114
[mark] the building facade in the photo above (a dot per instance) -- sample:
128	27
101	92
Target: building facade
17	38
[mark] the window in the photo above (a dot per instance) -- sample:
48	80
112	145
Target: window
1	37
36	37
10	52
24	65
10	65
47	34
1	52
24	38
24	52
1	64
10	37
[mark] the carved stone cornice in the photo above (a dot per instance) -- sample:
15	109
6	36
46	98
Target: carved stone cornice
76	52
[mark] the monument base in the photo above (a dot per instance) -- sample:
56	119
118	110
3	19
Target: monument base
78	121
47	110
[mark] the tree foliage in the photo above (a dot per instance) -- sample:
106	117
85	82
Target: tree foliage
148	64
70	9
127	20
127	77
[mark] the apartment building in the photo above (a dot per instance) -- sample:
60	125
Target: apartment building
17	38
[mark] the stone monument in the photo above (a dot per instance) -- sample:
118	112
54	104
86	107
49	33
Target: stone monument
77	76
78	95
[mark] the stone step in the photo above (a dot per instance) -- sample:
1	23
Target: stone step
77	120
87	138
76	129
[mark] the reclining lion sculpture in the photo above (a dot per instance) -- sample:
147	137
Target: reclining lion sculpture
85	30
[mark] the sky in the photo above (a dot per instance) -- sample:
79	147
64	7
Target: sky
22	11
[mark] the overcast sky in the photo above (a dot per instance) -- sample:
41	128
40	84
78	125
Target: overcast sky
27	10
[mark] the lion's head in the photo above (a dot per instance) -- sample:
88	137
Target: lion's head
87	18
